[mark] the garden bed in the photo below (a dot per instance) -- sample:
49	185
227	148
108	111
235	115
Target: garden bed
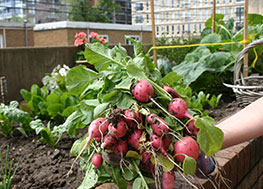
42	166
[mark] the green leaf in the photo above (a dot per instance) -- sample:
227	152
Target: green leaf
172	79
53	98
118	179
209	137
79	78
189	165
100	108
55	109
190	71
125	84
138	183
135	71
25	94
126	101
211	38
90	179
164	162
46	135
101	57
133	154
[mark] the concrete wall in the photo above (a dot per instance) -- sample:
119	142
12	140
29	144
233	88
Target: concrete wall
23	67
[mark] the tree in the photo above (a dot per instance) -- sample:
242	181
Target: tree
83	10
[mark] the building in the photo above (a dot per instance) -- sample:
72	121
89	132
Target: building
62	33
16	35
179	17
32	11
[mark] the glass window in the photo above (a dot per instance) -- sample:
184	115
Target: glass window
230	12
138	6
240	12
178	3
200	14
157	18
172	2
206	13
167	29
200	28
139	19
106	37
178	29
135	37
157	30
172	29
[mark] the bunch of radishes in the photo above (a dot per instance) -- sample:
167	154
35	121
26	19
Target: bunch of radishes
147	134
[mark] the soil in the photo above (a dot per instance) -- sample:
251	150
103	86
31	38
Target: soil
42	166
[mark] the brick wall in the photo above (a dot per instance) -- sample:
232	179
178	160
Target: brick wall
241	166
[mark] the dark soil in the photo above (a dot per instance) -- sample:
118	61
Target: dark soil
42	166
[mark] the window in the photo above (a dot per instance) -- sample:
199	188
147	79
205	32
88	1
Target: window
183	28
106	37
217	10
224	11
200	28
194	14
230	12
178	3
1	41
172	29
189	28
239	25
183	15
157	30
217	2
182	3
200	14
230	1
206	2
224	1
206	13
172	2
240	12
200	3
157	17
167	16
239	1
194	2
147	18
135	37
167	3
156	4
178	29
178	15
138	6
167	29
139	19
194	28
173	16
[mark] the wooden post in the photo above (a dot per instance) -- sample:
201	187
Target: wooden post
245	71
153	34
214	16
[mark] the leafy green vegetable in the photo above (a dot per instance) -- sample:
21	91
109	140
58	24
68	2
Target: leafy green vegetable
210	137
189	165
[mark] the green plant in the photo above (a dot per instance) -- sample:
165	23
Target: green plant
57	105
6	175
109	89
10	116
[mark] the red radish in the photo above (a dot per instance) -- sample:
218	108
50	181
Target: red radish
130	116
151	118
97	160
166	141
146	157
191	129
171	91
157	143
118	130
134	139
143	91
121	148
168	180
97	128
178	108
160	127
188	146
108	142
